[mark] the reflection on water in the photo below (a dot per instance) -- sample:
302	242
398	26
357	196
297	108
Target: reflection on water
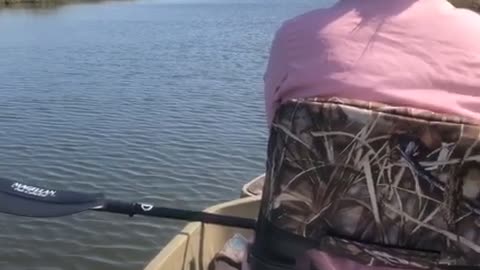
143	100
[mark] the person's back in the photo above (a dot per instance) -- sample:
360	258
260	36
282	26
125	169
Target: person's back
419	53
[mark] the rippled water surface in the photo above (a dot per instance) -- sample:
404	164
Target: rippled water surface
143	100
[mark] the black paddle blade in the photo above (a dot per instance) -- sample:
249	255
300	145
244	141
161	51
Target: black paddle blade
31	201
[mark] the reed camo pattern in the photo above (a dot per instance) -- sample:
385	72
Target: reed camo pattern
382	185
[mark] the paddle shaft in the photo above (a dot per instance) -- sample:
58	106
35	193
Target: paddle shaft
121	207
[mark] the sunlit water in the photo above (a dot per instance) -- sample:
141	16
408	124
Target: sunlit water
146	101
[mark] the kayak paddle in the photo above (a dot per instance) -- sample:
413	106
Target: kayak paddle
32	201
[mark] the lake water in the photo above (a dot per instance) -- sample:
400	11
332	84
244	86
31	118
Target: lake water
148	101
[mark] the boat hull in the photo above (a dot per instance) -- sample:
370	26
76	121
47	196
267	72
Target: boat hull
196	245
254	187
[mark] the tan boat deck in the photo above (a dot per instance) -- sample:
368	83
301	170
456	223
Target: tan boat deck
254	187
197	244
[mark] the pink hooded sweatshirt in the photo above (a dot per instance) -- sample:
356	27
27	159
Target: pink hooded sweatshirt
420	53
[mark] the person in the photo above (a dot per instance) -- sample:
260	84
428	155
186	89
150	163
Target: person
417	53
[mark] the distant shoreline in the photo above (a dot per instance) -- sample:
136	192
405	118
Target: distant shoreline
44	3
469	4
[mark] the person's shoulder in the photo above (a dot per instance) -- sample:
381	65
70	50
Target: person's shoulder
466	13
466	21
306	17
460	28
469	6
462	14
299	21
